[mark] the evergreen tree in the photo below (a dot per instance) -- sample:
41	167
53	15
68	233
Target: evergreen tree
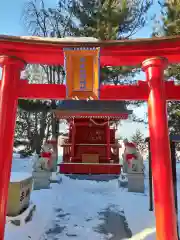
169	26
110	20
139	139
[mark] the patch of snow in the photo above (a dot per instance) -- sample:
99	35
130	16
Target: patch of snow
22	165
80	201
19	176
16	154
60	154
123	176
65	39
45	203
55	177
79	39
22	216
74	206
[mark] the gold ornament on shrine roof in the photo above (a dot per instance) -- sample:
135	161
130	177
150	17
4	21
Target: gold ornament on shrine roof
82	73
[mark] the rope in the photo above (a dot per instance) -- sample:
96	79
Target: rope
98	124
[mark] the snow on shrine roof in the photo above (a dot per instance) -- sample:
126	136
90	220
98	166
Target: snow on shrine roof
92	108
39	50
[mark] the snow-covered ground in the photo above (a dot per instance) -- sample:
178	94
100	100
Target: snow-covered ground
78	209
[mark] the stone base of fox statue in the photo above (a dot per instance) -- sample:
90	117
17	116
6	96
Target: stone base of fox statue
136	176
41	180
41	174
133	164
136	182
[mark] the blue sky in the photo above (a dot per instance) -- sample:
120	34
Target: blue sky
10	17
11	12
11	24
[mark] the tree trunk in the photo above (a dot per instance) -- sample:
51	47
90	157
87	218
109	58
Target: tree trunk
55	131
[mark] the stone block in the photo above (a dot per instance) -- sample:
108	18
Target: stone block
136	182
19	192
41	180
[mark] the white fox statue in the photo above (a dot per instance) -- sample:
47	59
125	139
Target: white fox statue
132	160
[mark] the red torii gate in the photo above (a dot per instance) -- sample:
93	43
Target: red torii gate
15	52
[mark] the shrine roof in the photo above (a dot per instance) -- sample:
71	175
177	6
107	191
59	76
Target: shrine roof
92	108
39	50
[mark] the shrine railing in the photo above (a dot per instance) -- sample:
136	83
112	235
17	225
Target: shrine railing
114	154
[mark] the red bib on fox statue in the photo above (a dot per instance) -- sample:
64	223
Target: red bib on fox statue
47	154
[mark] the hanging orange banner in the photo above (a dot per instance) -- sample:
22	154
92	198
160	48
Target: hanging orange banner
82	73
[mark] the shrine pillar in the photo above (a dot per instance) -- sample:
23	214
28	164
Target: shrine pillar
73	140
166	228
108	147
11	69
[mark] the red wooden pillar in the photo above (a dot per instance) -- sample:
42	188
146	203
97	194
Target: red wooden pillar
8	106
73	141
108	149
160	150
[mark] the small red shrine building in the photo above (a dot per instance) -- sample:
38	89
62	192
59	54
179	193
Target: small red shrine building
91	147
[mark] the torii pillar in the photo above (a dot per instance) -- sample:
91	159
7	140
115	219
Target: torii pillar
166	226
11	67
